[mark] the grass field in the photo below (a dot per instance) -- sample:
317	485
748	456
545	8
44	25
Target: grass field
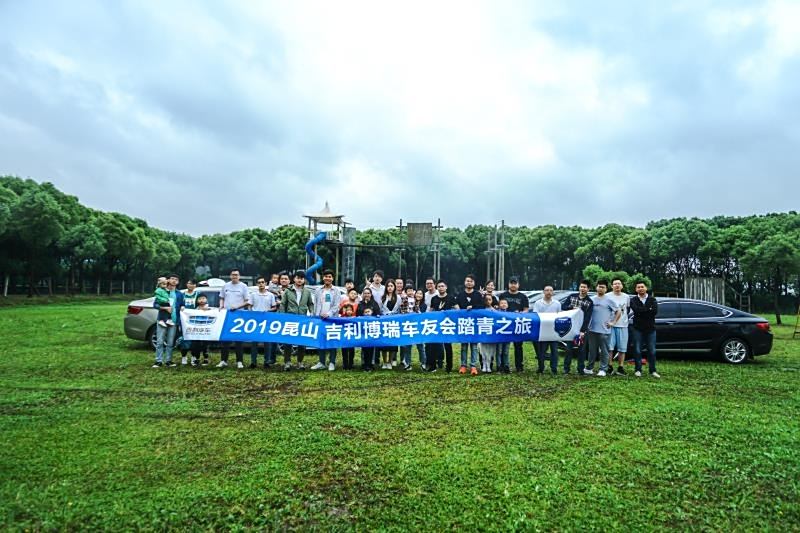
92	438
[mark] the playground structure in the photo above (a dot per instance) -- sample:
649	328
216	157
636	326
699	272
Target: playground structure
328	228
335	232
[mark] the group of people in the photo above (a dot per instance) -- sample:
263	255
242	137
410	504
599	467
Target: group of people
608	317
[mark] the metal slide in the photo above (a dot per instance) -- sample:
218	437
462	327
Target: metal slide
314	256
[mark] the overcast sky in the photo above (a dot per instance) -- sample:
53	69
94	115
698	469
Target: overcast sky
251	114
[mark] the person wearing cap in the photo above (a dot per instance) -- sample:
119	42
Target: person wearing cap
297	300
517	303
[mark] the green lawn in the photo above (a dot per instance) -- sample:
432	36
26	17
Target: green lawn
93	438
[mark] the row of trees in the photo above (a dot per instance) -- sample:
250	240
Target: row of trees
48	239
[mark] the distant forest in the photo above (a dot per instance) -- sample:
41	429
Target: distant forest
49	242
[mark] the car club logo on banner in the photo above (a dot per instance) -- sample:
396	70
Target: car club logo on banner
389	330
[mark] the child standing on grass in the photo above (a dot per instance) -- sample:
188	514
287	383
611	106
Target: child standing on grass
347	310
162	298
200	347
488	350
502	348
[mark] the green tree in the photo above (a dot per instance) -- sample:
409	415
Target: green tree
776	258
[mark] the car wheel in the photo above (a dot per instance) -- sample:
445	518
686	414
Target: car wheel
734	351
151	335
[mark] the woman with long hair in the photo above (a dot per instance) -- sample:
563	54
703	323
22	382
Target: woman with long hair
390	305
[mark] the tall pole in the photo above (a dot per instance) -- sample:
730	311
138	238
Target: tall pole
494	257
501	268
416	268
489	254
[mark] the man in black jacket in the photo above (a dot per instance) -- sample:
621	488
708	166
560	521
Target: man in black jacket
644	308
578	347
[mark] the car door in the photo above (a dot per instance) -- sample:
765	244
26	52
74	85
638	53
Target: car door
700	326
666	320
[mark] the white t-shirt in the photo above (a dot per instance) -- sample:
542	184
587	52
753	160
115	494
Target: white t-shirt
428	297
377	292
326	297
262	301
540	306
623	301
234	294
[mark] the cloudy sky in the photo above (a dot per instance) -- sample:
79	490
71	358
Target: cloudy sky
251	114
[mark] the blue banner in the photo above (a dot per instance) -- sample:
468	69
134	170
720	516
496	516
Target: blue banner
484	326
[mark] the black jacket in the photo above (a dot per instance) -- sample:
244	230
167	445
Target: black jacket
372	304
644	314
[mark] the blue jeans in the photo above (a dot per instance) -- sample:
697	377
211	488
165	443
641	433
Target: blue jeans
165	340
323	353
572	351
502	355
473	348
648	338
423	356
405	354
269	353
552	347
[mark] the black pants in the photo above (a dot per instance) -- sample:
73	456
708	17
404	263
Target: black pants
197	348
287	353
238	346
367	357
518	356
577	352
348	354
436	352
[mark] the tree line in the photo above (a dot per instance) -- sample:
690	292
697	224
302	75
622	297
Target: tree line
49	241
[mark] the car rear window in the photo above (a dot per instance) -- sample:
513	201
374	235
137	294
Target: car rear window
213	298
696	310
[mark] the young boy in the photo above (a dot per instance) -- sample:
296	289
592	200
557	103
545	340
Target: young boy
502	347
200	347
162	298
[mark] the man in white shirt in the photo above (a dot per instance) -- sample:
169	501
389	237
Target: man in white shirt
326	304
262	300
430	291
547	305
618	341
233	296
377	287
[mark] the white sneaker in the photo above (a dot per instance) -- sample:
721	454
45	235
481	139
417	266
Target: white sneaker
654	375
394	363
638	374
194	361
222	364
318	366
601	373
424	367
488	370
287	366
587	372
331	367
239	364
184	361
301	366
